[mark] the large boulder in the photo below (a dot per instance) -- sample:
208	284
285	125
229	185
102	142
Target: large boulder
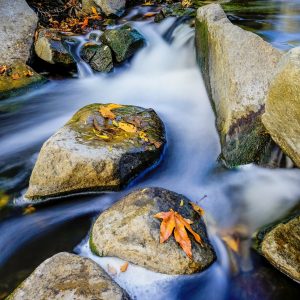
96	153
17	78
50	48
123	41
99	57
18	24
237	68
282	112
68	276
280	244
111	7
128	230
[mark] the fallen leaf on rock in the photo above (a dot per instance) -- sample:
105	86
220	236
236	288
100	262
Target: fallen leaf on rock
111	270
3	69
143	136
29	210
106	111
186	3
85	23
124	267
15	76
28	73
127	127
197	208
94	10
181	203
173	221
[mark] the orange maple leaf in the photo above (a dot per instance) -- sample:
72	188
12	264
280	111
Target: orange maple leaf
173	221
106	111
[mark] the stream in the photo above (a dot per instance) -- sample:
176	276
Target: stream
163	76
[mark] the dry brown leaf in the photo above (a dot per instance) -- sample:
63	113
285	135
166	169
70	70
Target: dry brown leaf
124	267
232	243
173	221
106	110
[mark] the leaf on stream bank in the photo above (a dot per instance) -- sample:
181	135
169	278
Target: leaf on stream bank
172	221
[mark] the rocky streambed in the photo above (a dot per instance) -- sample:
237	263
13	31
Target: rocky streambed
186	200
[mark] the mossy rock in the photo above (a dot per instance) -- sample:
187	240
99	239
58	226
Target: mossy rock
17	79
95	153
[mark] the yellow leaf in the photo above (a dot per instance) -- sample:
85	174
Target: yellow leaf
106	110
197	208
143	136
127	127
29	210
15	76
4	199
181	203
94	10
124	267
231	242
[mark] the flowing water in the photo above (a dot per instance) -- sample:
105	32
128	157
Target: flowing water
165	77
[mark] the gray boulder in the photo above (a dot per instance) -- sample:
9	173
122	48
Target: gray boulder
282	112
279	243
123	41
128	230
49	47
237	67
111	7
99	57
68	276
95	153
18	24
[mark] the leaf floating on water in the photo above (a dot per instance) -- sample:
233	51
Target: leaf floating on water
111	270
198	209
4	199
232	243
150	14
29	210
106	111
127	127
124	267
173	221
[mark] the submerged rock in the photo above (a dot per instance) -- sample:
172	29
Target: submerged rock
93	153
49	47
111	7
18	24
280	245
123	41
68	276
128	230
99	57
18	78
282	113
237	67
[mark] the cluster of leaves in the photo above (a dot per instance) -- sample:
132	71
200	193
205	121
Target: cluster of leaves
8	71
173	222
134	127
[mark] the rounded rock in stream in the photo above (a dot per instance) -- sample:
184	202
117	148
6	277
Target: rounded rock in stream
99	57
130	231
68	276
101	148
123	41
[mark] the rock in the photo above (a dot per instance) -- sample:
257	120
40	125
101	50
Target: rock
280	245
17	79
68	276
18	24
111	7
237	67
99	57
129	231
49	47
282	113
123	41
90	153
